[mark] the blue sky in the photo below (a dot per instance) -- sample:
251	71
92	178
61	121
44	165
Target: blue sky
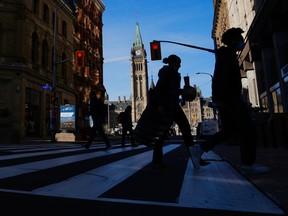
188	22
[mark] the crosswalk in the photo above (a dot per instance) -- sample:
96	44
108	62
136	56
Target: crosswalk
125	175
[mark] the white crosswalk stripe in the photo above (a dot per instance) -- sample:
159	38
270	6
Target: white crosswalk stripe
217	186
99	180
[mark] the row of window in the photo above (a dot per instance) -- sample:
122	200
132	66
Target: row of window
44	54
46	17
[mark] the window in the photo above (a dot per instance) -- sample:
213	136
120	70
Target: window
64	29
52	59
1	36
34	49
64	68
36	7
45	54
46	13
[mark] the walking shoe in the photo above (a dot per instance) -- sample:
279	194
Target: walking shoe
122	145
195	156
254	169
204	162
86	145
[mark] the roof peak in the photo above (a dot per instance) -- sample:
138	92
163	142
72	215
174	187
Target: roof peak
137	37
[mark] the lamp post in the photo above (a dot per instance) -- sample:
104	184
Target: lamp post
214	109
54	107
108	109
206	74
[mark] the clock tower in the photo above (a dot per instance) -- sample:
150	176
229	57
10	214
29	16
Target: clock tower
139	76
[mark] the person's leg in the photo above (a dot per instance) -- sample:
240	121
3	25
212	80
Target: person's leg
91	137
102	133
248	144
123	136
247	136
158	153
184	126
92	133
227	130
132	138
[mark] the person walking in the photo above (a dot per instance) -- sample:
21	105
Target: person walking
236	123
166	103
126	121
98	112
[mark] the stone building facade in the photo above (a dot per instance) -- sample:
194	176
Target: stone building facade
88	38
38	40
264	59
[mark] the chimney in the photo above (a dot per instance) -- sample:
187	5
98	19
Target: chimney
119	99
125	99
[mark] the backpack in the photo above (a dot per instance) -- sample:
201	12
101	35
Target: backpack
121	117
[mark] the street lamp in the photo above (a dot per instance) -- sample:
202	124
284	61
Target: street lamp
214	109
206	74
108	118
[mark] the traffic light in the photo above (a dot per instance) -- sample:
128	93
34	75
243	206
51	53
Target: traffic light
155	50
79	59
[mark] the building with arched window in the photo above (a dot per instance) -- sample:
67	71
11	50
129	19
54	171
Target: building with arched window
38	40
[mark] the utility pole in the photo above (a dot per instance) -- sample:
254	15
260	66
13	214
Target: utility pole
108	109
54	107
55	51
54	111
211	105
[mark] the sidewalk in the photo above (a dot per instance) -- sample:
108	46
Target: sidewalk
273	184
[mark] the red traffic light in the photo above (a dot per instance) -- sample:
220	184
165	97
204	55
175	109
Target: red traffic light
155	50
155	46
79	59
79	54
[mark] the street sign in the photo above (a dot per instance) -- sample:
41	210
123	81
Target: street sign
47	87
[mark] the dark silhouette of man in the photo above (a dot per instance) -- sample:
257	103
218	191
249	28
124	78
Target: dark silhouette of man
98	112
127	126
165	109
236	123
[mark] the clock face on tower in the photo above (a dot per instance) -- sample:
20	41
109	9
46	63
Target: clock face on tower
138	52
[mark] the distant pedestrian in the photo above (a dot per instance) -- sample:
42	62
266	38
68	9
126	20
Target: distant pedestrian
236	123
126	121
98	112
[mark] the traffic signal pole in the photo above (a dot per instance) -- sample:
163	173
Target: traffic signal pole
187	45
54	102
54	107
55	51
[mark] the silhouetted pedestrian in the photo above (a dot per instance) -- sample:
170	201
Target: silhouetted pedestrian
165	103
126	121
236	123
98	112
